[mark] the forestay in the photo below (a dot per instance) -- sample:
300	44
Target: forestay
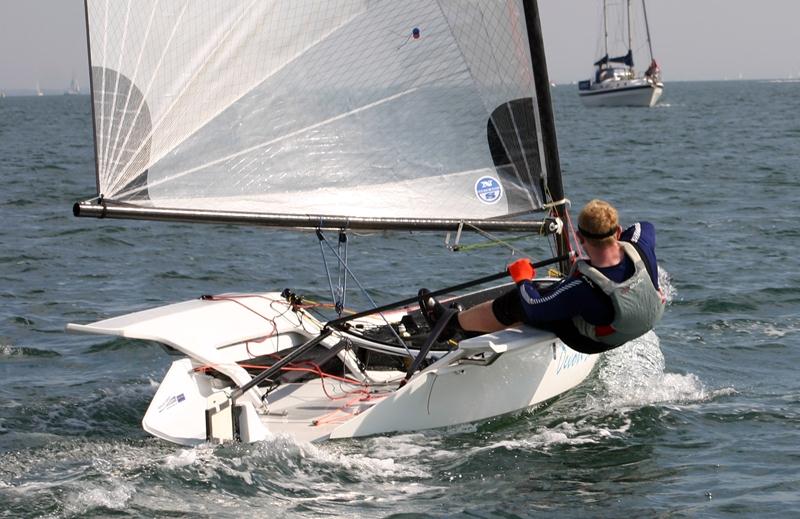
359	109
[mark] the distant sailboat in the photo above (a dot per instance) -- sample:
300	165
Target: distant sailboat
38	90
615	82
74	88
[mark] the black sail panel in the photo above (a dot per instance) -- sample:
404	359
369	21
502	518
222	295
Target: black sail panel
125	119
511	133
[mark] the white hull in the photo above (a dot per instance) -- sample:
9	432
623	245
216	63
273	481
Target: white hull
486	376
622	93
533	366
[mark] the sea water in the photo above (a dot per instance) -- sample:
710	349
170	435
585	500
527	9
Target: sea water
699	419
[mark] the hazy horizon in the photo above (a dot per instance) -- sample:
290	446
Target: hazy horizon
44	41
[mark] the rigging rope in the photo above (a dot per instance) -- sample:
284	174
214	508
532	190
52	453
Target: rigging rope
321	239
363	390
496	242
342	281
343	264
493	243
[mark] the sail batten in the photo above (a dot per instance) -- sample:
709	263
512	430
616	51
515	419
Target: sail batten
363	108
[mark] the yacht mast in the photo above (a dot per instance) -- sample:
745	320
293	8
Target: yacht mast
630	35
647	29
605	27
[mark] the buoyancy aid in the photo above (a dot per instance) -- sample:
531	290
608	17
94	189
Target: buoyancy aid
638	305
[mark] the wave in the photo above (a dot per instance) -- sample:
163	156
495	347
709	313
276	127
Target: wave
10	351
119	343
194	276
665	283
93	476
385	474
753	328
630	381
634	376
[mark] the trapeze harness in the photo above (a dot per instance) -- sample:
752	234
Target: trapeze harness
638	306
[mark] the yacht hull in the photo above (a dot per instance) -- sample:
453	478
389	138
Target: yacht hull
621	95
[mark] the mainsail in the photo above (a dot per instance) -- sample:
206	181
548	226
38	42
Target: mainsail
308	113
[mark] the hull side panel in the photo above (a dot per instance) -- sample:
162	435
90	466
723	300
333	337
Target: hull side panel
535	367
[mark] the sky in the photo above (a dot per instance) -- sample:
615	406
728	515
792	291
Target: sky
44	41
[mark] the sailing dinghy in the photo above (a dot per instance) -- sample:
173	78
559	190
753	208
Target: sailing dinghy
329	116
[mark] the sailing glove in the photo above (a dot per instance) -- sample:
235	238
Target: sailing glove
521	270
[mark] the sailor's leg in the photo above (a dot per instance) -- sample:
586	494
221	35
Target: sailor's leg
492	316
480	318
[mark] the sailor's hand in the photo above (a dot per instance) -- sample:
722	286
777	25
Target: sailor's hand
521	270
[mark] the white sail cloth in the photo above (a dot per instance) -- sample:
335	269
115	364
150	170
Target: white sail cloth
357	108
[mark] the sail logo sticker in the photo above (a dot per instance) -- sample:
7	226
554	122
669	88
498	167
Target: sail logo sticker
488	190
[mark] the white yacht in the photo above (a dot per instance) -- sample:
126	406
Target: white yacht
615	81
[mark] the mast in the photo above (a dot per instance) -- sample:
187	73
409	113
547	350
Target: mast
630	35
91	95
647	29
547	122
605	27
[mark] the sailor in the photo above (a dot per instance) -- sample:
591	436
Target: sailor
607	300
653	71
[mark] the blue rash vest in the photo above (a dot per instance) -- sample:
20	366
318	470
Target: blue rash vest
556	306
